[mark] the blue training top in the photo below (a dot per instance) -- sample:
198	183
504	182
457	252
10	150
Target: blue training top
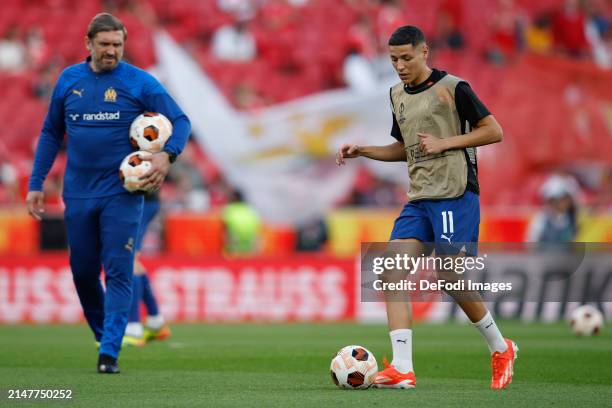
96	110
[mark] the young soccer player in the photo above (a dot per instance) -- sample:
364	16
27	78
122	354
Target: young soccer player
438	121
155	327
94	103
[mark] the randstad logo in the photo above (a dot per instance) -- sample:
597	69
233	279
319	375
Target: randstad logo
102	116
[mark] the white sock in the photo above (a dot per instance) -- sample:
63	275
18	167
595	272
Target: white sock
491	333
134	329
401	342
155	322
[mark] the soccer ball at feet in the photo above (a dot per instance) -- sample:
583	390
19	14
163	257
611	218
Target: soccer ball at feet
150	132
586	321
132	167
354	367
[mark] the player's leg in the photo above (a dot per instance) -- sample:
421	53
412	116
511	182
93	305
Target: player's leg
503	351
155	326
155	320
119	222
134	331
411	229
400	373
82	226
148	297
456	227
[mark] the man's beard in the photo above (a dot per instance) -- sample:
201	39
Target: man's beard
101	66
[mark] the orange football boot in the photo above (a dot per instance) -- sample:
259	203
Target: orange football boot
161	334
502	366
391	378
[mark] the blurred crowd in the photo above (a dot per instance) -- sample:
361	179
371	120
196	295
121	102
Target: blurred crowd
576	29
262	52
296	40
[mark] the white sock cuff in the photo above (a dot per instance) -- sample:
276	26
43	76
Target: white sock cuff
400	332
487	327
155	322
401	342
134	329
485	320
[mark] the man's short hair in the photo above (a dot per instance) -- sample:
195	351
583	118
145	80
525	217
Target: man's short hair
407	35
105	22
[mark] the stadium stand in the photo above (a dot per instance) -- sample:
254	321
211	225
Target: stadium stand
301	52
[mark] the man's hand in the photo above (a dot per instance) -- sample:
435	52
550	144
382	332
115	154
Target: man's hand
431	144
347	151
35	201
160	165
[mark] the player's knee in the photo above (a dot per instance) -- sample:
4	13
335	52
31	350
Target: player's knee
120	268
448	275
395	267
85	269
464	295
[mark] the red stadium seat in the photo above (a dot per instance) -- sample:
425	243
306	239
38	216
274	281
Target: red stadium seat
301	51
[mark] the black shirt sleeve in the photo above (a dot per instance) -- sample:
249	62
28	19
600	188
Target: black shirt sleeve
469	107
395	130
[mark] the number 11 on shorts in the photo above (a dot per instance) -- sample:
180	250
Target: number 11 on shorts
448	226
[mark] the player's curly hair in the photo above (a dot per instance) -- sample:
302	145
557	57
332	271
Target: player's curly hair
407	35
105	22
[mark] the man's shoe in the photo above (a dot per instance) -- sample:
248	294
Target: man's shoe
132	341
107	364
160	334
502	366
391	378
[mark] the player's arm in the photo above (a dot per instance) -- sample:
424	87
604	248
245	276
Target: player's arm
486	131
49	143
157	99
390	153
485	128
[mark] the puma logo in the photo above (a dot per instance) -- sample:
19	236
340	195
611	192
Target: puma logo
78	92
130	245
405	341
447	238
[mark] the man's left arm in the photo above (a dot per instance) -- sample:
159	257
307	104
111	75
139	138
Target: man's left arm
157	99
485	128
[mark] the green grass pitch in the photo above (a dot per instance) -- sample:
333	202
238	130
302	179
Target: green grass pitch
287	365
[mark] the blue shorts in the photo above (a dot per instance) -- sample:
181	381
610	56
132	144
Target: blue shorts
451	224
149	212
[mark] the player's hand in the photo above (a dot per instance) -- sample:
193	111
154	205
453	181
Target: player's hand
347	151
431	144
160	166
35	200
